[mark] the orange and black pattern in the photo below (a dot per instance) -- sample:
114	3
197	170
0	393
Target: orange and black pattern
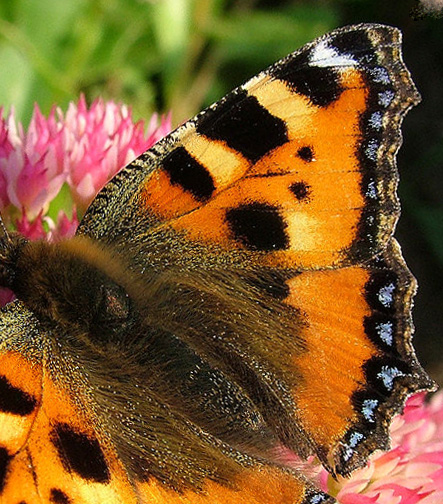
234	288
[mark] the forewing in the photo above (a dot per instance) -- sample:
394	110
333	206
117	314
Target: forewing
294	169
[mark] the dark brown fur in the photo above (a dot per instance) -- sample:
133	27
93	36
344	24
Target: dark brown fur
165	354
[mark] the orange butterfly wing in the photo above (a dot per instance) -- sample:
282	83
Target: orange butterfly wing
52	452
307	187
49	450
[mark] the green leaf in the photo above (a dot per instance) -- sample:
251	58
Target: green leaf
17	82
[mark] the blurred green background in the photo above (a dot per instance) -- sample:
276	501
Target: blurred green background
181	55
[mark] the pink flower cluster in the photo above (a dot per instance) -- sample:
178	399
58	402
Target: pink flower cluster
82	148
411	472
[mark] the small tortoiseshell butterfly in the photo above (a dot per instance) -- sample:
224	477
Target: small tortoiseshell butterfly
235	288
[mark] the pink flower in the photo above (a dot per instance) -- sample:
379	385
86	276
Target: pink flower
98	141
30	174
45	228
411	472
83	148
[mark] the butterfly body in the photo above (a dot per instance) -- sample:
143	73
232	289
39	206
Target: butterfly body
234	288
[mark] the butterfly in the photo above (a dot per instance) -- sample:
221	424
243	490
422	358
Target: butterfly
235	288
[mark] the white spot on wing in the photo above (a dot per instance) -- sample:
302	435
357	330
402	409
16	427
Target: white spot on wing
317	499
386	295
354	440
387	376
371	149
324	55
380	74
385	98
386	332
375	121
371	191
368	409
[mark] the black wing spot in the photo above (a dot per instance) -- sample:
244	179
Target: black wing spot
80	453
5	459
357	43
301	190
184	170
59	497
14	400
258	226
244	124
305	153
321	85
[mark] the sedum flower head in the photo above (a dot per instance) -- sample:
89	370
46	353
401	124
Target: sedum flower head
82	148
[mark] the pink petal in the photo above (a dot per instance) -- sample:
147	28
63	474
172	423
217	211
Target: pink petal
33	230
